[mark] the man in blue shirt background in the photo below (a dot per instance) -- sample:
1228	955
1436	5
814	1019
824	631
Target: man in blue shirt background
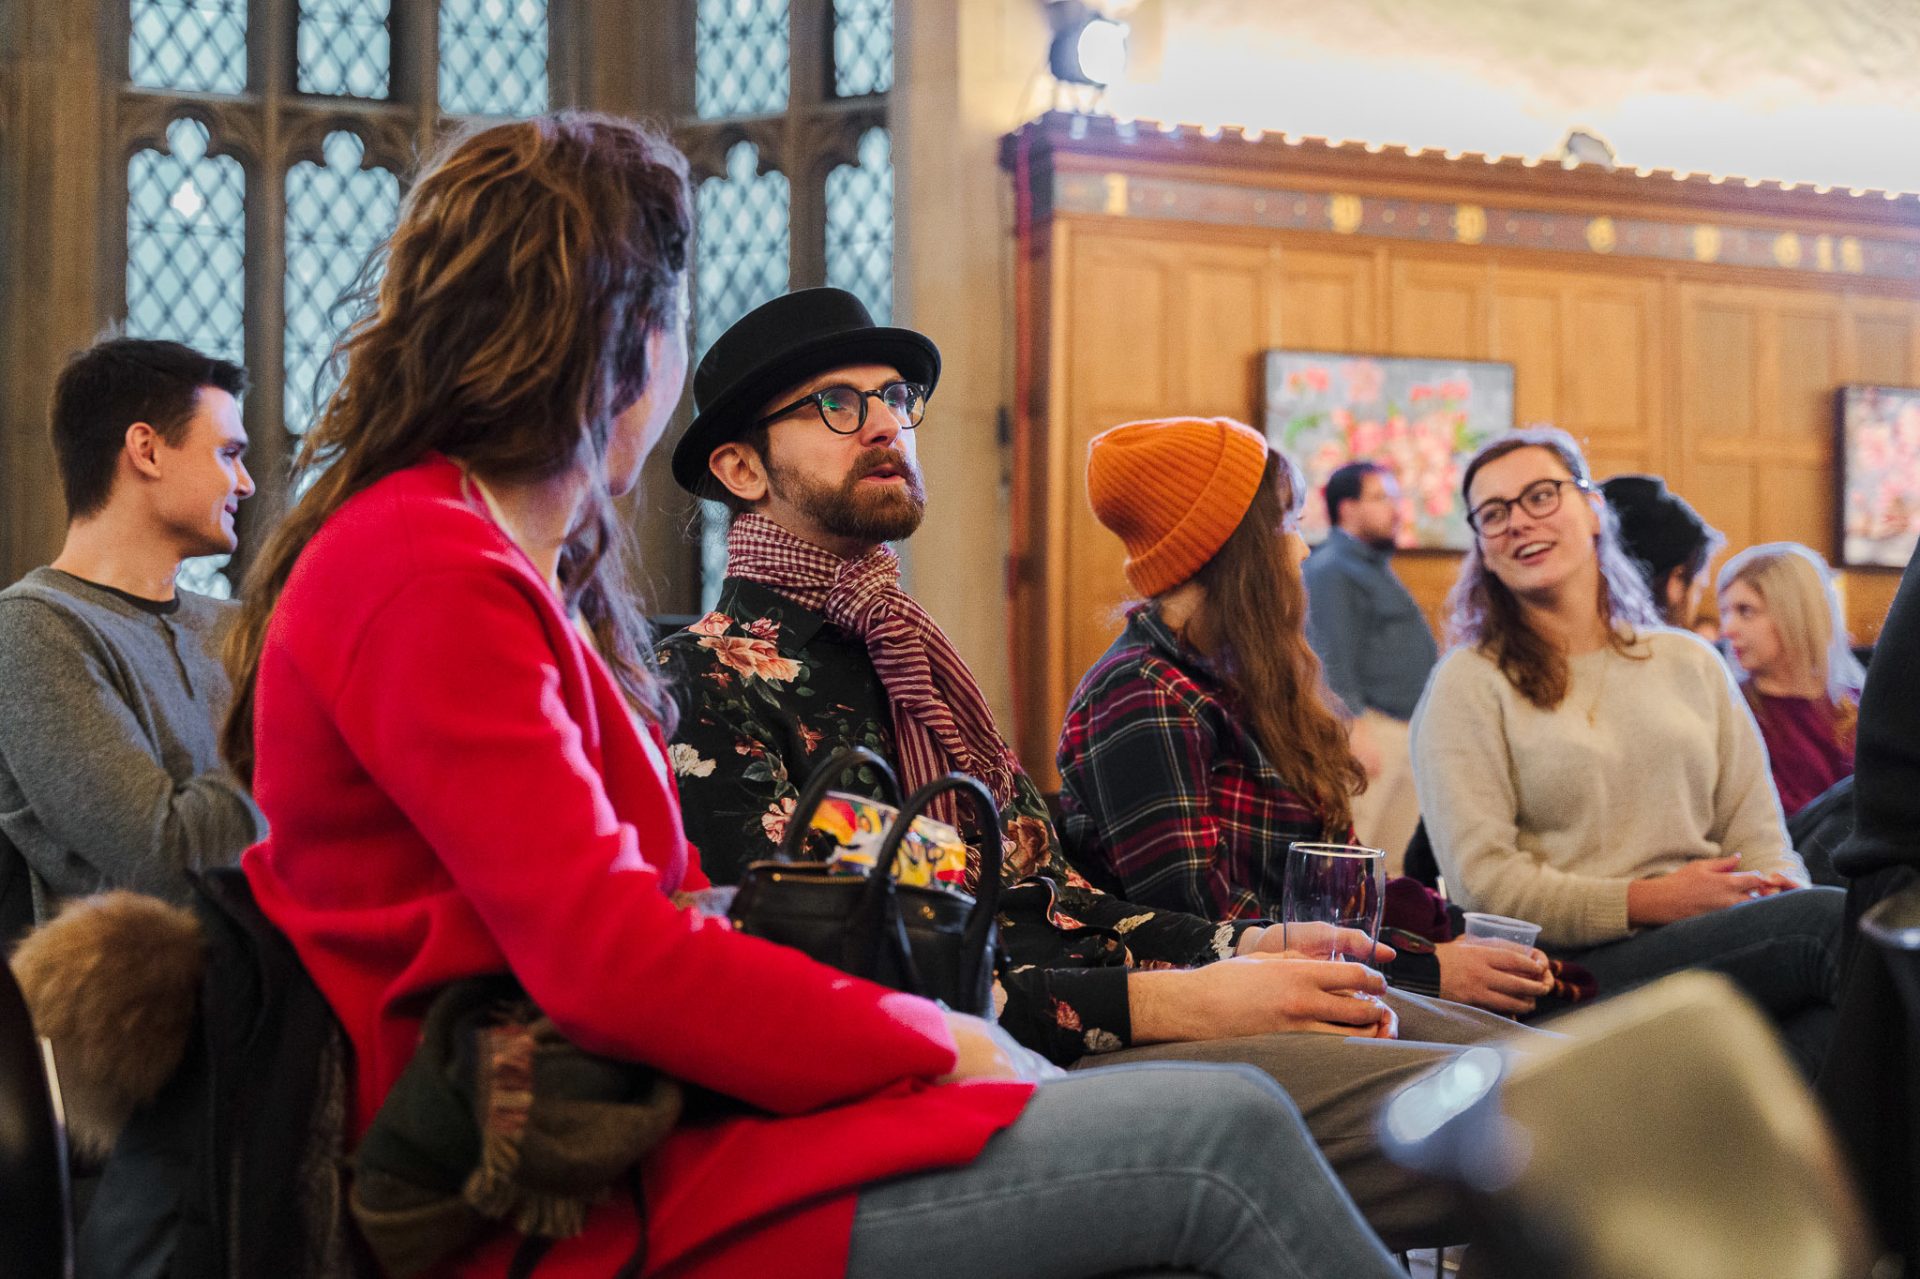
1375	644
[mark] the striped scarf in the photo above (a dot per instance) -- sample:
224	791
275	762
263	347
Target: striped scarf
941	722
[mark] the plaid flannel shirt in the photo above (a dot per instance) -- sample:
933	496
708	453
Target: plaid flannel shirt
1165	795
1167	799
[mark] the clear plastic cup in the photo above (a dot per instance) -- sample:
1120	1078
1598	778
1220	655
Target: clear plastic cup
1499	930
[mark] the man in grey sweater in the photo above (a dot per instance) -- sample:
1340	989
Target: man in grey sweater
111	687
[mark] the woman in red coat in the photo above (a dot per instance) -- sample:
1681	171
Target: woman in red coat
443	711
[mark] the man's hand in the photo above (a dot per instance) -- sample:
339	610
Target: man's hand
1501	979
1256	995
1698	888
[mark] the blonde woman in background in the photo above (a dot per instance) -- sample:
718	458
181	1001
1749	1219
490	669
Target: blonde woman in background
1781	615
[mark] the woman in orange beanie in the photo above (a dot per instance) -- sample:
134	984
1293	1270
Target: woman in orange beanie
1203	745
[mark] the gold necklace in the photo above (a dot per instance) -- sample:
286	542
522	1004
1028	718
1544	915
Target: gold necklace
1593	707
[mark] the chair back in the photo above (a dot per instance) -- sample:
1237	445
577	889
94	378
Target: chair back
36	1233
1668	1136
1419	862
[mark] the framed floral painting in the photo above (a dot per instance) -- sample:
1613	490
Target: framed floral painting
1879	447
1421	419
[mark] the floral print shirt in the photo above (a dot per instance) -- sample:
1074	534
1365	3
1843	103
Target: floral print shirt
766	689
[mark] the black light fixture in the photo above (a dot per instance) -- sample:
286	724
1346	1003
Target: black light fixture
1088	47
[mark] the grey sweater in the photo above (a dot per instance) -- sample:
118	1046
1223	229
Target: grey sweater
109	772
1652	761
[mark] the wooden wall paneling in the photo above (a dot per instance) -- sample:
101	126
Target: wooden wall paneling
1320	300
1219	297
1429	575
1616	365
1883	342
1439	309
1529	333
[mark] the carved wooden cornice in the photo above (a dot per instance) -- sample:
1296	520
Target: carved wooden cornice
1099	166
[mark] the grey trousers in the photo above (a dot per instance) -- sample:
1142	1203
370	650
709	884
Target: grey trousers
1340	1086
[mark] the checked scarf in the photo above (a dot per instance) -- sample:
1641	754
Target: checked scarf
941	722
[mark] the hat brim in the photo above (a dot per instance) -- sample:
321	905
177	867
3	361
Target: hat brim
729	416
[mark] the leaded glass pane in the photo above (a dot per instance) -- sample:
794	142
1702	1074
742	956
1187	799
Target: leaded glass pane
740	257
205	576
187	244
196	46
493	57
739	57
862	47
345	47
860	226
337	214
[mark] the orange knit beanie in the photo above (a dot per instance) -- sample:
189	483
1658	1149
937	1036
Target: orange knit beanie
1174	490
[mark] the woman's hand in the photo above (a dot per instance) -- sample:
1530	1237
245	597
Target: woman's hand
988	1052
1258	995
1500	979
1314	941
1698	888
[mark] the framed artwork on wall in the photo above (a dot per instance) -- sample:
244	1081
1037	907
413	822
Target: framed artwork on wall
1421	419
1879	454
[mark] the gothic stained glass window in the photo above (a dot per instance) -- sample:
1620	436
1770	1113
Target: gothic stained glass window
862	47
345	47
740	262
192	46
741	238
493	57
337	214
186	256
740	56
187	244
860	226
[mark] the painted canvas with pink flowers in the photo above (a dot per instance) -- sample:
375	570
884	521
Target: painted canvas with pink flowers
1879	475
1422	419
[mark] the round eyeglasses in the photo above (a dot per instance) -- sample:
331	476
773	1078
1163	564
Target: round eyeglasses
1538	499
844	408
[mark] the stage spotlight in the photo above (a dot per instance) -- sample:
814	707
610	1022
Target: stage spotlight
1088	48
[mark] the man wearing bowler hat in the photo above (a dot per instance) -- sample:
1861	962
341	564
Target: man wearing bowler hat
806	414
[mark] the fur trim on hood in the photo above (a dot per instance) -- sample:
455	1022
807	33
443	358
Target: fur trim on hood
114	981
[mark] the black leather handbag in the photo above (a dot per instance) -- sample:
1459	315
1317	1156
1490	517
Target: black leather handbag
933	941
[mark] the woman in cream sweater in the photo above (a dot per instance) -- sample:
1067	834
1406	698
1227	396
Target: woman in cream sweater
1584	767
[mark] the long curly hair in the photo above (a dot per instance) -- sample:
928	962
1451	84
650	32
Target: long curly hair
1251	624
1482	613
504	325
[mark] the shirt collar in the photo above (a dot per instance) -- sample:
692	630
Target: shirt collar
742	601
1345	543
1151	629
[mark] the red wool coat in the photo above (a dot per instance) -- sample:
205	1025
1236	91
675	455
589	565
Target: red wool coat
455	787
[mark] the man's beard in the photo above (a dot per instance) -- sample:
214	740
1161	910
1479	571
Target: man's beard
851	510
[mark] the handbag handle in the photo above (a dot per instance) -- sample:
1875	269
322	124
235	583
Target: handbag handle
822	780
879	904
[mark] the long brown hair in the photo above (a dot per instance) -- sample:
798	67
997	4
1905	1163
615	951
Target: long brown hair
506	328
1483	613
1251	624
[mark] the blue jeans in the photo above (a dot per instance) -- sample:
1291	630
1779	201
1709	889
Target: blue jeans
1127	1170
1783	951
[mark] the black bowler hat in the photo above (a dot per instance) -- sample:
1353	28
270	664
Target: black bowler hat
777	346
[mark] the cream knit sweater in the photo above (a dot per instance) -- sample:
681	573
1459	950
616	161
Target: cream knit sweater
1652	760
